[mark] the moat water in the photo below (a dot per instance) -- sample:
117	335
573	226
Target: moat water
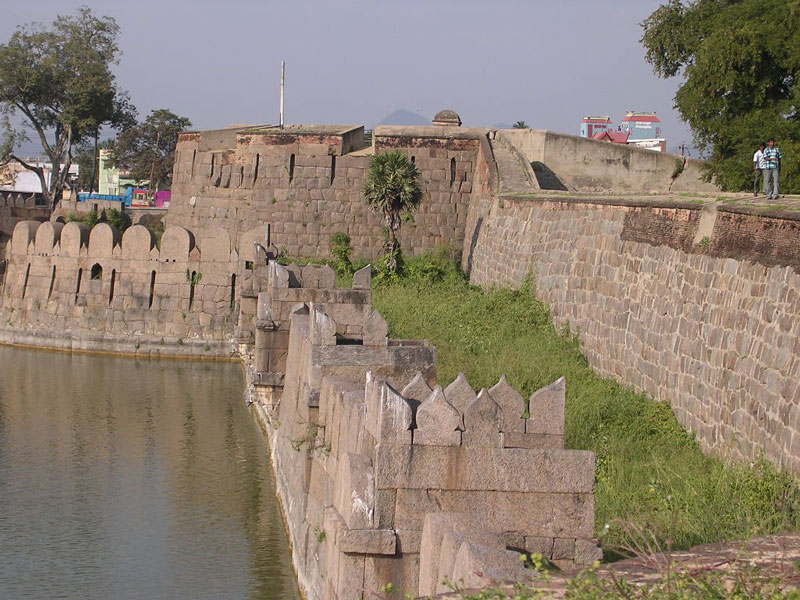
134	479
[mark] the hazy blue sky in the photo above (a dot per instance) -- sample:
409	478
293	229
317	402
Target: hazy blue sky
355	61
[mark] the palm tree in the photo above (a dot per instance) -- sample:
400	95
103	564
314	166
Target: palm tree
520	125
392	187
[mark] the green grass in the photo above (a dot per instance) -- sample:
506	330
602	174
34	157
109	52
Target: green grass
649	469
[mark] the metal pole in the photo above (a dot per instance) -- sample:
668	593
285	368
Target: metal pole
283	83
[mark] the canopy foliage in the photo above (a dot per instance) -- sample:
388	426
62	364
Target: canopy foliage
147	150
58	79
739	60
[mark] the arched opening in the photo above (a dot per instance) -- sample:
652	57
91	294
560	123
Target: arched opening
152	288
233	289
333	167
452	169
97	272
291	168
52	283
78	285
111	289
25	283
192	282
413	160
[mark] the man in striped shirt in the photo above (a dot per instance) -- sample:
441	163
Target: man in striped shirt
772	156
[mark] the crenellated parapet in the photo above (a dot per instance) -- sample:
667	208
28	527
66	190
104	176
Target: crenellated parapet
387	477
75	277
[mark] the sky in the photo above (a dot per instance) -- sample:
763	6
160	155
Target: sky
549	63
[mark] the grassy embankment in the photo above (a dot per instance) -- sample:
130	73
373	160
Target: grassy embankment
650	471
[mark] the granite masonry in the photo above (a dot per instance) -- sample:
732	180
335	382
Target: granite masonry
383	475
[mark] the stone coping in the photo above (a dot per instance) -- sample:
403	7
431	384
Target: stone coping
785	208
301	129
431	131
141	346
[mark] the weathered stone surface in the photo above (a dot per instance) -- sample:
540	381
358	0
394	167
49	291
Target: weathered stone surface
438	423
460	393
480	566
323	328
478	468
451	544
547	407
435	526
367	541
417	389
375	330
388	415
532	440
511	403
354	491
278	275
362	279
483	420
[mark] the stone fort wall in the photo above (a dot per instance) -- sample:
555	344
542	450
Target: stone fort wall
307	183
711	326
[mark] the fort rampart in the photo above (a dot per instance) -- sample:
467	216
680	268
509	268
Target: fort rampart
710	325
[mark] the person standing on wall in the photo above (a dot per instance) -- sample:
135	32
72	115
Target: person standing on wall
772	156
759	164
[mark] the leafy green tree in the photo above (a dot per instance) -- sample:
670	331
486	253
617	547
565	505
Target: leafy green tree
58	79
520	125
739	60
392	188
148	149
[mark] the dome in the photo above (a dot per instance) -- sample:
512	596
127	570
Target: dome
447	117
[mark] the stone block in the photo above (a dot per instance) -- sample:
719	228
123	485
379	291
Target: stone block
531	514
460	393
451	544
409	541
478	468
323	328
438	423
376	330
478	566
362	279
367	541
532	440
512	404
563	548
483	420
354	491
401	571
536	544
547	409
435	526
388	416
587	551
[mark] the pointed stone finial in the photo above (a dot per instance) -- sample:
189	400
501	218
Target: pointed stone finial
547	407
301	308
278	275
387	414
438	423
310	276
460	393
323	328
376	330
483	419
417	389
327	277
512	404
362	279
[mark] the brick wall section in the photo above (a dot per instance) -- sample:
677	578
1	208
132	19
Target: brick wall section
718	338
318	192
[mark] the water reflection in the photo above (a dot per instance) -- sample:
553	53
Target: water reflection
124	478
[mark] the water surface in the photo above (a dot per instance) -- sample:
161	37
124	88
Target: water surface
124	478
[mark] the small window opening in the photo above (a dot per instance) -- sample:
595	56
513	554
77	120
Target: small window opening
78	285
452	169
111	289
413	160
52	283
194	156
233	289
333	167
192	283
25	283
97	271
291	168
152	288
255	168
248	264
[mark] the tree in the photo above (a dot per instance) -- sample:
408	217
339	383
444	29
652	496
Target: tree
148	149
58	78
392	188
520	125
739	60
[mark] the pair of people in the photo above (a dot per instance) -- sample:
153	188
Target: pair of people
767	164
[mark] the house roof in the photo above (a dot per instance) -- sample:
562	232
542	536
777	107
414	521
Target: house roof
615	137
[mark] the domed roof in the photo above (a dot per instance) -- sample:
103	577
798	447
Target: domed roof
447	117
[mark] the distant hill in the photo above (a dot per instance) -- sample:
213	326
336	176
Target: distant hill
404	117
